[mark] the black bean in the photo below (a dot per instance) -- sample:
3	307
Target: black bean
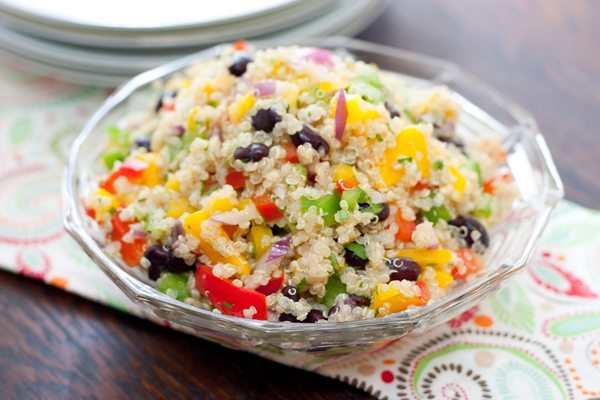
363	206
239	65
158	256
353	259
314	316
143	142
404	268
290	292
284	317
242	153
253	152
333	310
393	113
453	141
177	264
165	94
354	300
468	225
308	135
265	120
384	213
162	259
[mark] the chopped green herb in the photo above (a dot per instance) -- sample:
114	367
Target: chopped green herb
438	164
227	305
405	160
300	285
379	138
333	288
410	115
334	262
374	208
357	249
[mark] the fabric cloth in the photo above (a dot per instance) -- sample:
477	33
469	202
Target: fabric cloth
536	338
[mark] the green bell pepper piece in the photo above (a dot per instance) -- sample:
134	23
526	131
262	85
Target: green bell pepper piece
354	197
334	287
177	283
434	214
329	204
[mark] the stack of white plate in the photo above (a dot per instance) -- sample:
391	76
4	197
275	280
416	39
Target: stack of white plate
105	42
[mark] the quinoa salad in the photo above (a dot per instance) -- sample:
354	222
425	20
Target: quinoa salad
295	184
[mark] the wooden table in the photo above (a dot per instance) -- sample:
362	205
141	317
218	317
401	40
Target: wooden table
543	54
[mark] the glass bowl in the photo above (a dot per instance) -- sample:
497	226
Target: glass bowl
483	110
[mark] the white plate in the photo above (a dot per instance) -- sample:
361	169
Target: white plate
141	14
109	67
294	14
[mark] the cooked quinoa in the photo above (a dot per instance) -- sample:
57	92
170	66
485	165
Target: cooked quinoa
295	184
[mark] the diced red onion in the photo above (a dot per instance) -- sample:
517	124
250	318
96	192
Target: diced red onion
139	234
341	115
266	88
134	165
279	248
320	56
179	129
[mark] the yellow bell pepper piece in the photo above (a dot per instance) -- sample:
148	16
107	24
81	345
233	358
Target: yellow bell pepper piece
239	109
345	173
173	184
192	224
151	175
425	257
258	236
358	110
443	278
326	86
179	206
460	183
392	299
409	143
104	204
191	121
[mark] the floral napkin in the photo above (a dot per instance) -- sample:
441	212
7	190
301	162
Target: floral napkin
536	338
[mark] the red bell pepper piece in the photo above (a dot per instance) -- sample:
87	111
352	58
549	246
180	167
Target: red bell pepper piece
405	228
267	208
130	169
235	178
425	295
240	45
227	297
90	212
471	261
272	286
131	253
291	154
489	186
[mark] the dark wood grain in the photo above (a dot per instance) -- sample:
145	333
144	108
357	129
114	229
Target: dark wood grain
543	54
